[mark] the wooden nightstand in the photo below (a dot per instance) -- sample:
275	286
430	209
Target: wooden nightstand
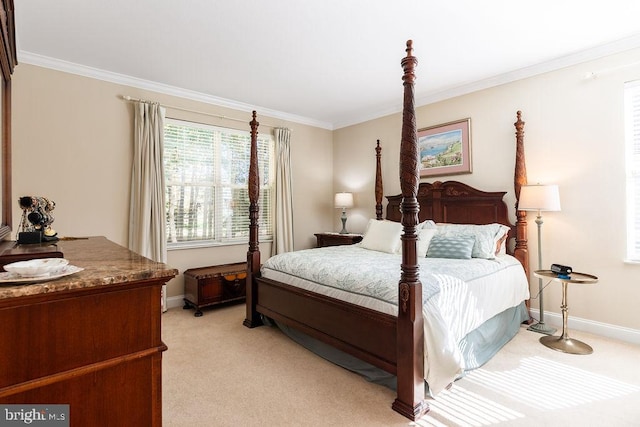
336	239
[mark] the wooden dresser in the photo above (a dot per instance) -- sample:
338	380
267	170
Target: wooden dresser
91	340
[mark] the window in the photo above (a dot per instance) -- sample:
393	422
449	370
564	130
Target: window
206	171
632	132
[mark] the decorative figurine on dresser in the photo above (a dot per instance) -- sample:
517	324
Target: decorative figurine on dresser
37	217
35	237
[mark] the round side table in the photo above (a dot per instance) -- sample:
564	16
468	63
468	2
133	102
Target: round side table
564	343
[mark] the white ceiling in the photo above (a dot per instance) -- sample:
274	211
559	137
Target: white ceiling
329	63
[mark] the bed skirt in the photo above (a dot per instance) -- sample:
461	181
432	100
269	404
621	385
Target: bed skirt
477	347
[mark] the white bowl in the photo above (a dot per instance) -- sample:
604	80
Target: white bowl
37	267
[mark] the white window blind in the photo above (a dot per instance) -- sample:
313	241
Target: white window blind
632	136
206	171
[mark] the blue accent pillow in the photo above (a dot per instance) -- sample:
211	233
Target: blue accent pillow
458	247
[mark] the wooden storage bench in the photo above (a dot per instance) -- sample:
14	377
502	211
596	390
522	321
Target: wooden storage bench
218	284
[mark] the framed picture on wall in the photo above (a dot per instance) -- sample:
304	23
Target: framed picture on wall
445	149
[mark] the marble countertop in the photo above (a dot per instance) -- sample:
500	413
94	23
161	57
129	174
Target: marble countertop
104	263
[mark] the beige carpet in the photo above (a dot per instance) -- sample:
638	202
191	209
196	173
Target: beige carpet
219	373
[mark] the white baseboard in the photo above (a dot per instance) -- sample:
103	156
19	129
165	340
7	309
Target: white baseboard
590	326
177	301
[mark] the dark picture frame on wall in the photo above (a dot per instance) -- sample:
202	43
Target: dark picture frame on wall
445	149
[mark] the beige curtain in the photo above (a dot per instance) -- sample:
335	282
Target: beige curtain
283	233
147	234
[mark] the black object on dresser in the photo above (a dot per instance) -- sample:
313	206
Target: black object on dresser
336	239
217	284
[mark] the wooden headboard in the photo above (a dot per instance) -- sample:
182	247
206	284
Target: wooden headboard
456	203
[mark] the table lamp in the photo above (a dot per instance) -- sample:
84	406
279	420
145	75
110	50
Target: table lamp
540	198
343	201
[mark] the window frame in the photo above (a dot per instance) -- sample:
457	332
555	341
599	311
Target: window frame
266	188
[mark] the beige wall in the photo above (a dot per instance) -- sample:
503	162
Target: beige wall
72	142
574	137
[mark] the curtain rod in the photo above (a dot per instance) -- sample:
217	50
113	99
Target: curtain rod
173	107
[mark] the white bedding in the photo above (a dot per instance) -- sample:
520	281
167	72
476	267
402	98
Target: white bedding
458	295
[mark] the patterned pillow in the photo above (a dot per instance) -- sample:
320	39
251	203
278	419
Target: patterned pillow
459	247
487	237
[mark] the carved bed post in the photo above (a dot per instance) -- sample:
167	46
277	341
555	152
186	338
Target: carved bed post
521	251
379	190
253	254
410	340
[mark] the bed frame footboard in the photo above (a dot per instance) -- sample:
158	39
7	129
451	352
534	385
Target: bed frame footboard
361	332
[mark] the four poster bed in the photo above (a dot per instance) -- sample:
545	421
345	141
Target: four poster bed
384	326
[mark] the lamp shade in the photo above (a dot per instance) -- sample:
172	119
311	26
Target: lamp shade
343	200
539	198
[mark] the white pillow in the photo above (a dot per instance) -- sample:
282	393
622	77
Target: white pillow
424	238
502	244
382	235
486	236
427	224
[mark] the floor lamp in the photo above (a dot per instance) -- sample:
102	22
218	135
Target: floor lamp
343	201
540	198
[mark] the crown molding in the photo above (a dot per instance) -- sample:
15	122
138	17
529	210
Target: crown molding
597	52
520	74
121	79
534	70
